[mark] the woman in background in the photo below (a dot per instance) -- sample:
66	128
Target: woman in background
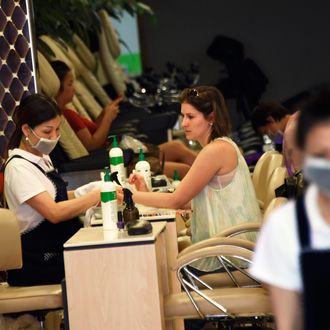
93	135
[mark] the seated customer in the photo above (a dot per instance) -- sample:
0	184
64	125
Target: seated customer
93	135
218	184
273	119
293	250
46	212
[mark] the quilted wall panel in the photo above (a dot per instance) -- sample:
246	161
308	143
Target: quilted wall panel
17	63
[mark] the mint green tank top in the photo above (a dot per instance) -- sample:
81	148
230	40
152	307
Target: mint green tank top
224	203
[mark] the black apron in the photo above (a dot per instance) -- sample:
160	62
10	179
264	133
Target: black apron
42	247
315	269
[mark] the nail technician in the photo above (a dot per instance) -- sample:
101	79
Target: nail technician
46	212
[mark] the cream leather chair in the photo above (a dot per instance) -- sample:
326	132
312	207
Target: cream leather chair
276	179
87	86
40	298
234	278
109	70
49	85
274	203
262	173
200	300
260	165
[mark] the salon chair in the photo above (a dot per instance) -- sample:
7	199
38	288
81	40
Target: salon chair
262	173
235	278
276	179
13	300
225	279
274	203
245	302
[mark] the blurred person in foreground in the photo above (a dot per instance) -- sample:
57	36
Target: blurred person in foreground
293	250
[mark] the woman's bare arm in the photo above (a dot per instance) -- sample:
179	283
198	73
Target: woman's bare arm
287	308
97	140
62	211
209	162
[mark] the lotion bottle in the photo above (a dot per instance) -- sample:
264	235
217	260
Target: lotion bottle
108	202
143	168
116	158
176	179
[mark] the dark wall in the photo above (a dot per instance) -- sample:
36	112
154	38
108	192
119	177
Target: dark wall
289	40
17	77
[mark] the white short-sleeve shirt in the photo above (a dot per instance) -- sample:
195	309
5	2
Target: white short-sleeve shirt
276	259
23	181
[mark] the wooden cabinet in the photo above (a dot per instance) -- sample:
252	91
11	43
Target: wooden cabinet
115	281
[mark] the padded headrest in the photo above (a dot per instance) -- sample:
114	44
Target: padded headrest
47	78
70	142
87	100
68	55
84	53
50	84
95	87
110	33
109	66
77	105
57	50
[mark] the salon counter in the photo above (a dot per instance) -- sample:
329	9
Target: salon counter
115	281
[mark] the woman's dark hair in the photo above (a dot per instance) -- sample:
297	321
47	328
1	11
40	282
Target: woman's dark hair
61	70
207	100
264	110
33	110
316	111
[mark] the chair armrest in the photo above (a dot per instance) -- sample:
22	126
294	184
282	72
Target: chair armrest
213	251
183	242
240	229
10	241
214	241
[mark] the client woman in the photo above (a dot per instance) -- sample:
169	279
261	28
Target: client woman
93	135
218	184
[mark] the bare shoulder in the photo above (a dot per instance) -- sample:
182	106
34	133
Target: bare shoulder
221	153
220	146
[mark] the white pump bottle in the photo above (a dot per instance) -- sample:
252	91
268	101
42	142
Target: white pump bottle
116	158
108	202
143	168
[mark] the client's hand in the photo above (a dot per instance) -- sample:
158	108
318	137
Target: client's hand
95	197
138	181
112	109
120	195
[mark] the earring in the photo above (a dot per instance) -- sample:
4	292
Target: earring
210	123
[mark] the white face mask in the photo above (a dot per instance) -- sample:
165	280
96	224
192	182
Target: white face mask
317	170
45	146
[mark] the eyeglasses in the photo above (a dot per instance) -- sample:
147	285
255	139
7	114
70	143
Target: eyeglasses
192	92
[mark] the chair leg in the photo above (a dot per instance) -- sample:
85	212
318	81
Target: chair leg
54	320
41	318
